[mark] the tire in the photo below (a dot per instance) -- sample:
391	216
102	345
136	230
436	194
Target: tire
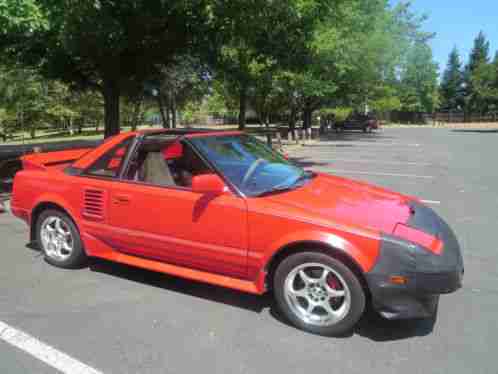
59	239
341	291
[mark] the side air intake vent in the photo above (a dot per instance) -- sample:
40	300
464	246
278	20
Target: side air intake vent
94	204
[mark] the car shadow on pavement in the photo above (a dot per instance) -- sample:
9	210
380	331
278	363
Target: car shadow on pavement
200	290
371	325
376	328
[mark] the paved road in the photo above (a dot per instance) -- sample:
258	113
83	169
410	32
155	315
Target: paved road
123	320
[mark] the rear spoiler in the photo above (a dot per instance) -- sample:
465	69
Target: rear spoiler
10	156
41	161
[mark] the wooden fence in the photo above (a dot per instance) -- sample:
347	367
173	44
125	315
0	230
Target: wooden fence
437	117
460	117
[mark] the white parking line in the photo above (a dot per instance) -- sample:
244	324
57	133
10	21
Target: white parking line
378	162
43	352
433	202
378	144
383	174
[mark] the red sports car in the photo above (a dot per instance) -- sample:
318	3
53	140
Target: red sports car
223	208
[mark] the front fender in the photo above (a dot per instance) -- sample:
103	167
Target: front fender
360	256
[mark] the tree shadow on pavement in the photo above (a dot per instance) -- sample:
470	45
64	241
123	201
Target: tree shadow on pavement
353	136
480	131
371	325
306	162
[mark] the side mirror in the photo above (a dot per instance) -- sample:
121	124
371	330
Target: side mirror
209	183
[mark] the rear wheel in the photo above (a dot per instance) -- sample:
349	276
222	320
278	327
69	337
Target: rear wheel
318	293
59	239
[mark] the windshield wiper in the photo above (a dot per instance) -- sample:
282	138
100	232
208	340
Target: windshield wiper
307	174
278	189
299	182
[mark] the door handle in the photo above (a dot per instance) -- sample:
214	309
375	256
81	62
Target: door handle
121	199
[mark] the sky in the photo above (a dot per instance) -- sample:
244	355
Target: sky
457	22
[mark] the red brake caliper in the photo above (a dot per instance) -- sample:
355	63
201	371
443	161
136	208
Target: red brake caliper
334	283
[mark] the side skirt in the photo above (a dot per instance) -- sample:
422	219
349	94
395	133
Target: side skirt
184	272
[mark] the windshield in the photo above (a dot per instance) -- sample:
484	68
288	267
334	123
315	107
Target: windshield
249	164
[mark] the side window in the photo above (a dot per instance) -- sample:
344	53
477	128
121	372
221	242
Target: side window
172	164
109	164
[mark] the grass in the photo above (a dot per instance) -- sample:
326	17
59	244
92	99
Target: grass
44	136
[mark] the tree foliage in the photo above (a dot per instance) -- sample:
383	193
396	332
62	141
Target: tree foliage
112	46
452	84
419	86
290	57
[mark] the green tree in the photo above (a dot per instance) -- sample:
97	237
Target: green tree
179	83
418	86
474	71
452	84
19	17
261	37
23	100
117	53
484	96
356	55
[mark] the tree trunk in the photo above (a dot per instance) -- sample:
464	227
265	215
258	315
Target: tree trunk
173	112
111	108
242	108
136	114
164	118
292	123
307	116
70	125
168	117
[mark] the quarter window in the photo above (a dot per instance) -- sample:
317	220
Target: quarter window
109	165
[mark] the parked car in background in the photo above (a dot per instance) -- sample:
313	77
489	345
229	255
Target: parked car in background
223	208
361	122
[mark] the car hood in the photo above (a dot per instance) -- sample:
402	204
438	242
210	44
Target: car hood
345	201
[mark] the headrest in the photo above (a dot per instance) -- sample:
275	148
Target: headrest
173	151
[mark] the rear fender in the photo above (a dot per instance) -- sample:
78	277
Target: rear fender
51	198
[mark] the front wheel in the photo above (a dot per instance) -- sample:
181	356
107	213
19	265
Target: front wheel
318	293
59	239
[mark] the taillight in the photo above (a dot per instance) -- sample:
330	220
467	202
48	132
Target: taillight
428	241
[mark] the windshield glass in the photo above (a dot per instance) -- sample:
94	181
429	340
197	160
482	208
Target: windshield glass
249	164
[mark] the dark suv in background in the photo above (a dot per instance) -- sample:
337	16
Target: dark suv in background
363	122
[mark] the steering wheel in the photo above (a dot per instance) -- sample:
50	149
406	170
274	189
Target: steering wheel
251	170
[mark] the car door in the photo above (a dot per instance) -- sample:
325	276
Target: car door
167	223
179	226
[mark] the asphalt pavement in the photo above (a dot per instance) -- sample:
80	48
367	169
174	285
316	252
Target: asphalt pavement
117	319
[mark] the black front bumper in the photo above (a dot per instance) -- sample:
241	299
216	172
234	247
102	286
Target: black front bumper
428	275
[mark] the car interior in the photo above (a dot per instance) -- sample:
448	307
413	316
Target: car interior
170	163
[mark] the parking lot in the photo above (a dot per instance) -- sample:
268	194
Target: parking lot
118	319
